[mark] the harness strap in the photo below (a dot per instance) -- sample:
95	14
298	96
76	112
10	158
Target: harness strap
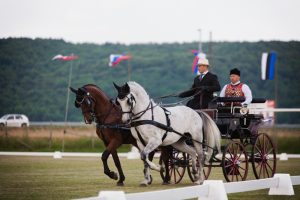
167	113
140	137
152	110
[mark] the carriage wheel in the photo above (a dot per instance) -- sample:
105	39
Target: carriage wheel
235	162
206	169
263	157
176	166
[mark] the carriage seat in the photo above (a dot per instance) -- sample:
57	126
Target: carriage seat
228	111
231	122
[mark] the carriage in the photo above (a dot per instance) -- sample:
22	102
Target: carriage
242	144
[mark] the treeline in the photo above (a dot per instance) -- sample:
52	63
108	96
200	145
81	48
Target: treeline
33	84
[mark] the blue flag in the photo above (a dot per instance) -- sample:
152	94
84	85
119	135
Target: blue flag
268	61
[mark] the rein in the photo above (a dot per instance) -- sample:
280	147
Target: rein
177	95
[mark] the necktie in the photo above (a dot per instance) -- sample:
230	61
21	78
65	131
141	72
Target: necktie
201	76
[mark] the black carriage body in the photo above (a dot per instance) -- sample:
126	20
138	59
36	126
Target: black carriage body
231	123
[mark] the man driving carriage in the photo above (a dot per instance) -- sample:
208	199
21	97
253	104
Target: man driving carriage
205	84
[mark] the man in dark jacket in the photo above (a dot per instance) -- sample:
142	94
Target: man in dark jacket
205	84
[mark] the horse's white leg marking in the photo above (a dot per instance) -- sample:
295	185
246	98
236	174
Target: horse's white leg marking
146	170
153	143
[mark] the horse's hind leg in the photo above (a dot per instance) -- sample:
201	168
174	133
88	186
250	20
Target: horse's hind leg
200	153
166	153
107	171
119	168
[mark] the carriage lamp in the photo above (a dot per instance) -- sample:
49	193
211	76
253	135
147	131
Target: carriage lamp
244	110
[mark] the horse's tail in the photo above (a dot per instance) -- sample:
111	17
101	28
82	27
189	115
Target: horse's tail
211	134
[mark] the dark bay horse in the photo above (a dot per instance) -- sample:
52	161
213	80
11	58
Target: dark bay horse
97	106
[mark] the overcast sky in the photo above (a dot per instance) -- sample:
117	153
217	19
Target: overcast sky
141	21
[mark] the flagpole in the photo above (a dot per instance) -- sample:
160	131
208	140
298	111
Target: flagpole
276	92
67	104
129	69
200	43
210	49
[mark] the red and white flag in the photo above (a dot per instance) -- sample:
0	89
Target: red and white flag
65	58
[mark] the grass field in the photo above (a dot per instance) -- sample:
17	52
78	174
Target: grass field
67	178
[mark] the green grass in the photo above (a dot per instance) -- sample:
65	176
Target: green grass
67	178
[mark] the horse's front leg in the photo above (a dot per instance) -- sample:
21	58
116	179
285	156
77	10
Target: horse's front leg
151	146
147	176
107	171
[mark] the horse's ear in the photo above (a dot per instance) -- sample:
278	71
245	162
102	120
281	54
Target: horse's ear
126	88
117	87
81	91
73	90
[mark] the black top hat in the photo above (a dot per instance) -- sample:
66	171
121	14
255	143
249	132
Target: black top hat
235	71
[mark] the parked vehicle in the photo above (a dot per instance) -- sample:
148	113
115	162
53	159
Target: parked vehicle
14	120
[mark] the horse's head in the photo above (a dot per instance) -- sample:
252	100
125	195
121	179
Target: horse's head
86	102
126	99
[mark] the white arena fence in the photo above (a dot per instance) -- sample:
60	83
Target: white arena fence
280	184
129	155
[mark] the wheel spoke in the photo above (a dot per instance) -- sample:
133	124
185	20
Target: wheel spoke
240	175
260	170
175	177
271	150
242	168
267	171
259	151
269	166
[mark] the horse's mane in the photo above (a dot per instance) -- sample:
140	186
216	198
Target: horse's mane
100	90
137	89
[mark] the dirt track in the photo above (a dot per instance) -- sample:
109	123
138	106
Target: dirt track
90	131
46	131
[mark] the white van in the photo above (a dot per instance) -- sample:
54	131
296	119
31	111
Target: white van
14	120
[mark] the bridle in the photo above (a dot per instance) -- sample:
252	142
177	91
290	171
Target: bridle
131	101
89	100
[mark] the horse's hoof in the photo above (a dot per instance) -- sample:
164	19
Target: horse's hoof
120	184
166	183
113	175
197	182
150	181
143	185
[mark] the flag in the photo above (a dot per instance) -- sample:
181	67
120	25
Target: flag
114	59
65	58
268	65
197	55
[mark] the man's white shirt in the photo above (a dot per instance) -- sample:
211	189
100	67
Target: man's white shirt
246	90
